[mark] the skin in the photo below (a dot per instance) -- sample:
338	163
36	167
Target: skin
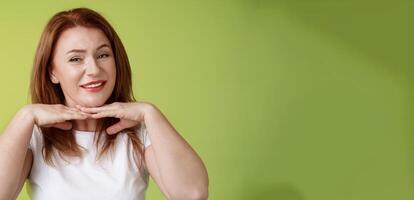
175	167
82	55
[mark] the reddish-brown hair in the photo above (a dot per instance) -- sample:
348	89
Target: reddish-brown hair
45	92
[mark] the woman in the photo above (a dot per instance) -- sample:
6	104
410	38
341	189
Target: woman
84	136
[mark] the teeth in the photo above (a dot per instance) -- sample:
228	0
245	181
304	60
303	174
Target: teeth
93	85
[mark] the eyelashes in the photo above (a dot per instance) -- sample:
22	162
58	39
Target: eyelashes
79	59
74	59
105	55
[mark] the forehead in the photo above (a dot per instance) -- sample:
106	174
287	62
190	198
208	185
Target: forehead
80	38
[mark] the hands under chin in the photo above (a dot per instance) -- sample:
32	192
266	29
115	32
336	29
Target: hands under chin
130	114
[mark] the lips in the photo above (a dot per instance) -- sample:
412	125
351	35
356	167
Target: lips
94	84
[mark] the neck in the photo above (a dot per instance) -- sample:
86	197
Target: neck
84	125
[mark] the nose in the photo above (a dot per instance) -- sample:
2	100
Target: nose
92	68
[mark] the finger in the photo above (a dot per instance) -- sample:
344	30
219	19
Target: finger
72	108
63	125
75	115
116	128
64	108
78	112
104	114
82	113
106	107
92	110
121	125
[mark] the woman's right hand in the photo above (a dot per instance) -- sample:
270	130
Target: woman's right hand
55	115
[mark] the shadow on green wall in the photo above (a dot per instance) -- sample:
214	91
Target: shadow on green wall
373	28
271	191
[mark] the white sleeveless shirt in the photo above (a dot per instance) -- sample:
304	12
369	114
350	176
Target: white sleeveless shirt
85	178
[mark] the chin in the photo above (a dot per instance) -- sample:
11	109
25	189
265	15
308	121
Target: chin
93	103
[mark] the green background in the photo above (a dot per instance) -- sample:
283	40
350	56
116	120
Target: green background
289	100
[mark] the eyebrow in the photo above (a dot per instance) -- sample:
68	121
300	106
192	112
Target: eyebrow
83	50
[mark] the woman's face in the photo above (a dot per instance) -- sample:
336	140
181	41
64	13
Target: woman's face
84	65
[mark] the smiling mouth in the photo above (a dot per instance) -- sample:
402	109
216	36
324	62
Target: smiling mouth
95	87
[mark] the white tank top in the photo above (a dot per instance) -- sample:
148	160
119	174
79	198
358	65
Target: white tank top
84	178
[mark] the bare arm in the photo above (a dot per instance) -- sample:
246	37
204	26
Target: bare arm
14	143
15	159
171	161
27	166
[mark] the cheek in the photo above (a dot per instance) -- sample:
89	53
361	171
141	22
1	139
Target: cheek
111	70
70	80
112	67
112	77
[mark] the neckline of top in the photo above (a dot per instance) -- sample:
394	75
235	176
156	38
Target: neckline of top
83	132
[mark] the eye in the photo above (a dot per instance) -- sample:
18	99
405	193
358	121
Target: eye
103	55
75	59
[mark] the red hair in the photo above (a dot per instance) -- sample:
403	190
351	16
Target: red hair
43	91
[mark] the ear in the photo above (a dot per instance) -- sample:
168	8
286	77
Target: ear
53	78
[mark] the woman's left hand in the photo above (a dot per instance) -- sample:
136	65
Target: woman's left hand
129	113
